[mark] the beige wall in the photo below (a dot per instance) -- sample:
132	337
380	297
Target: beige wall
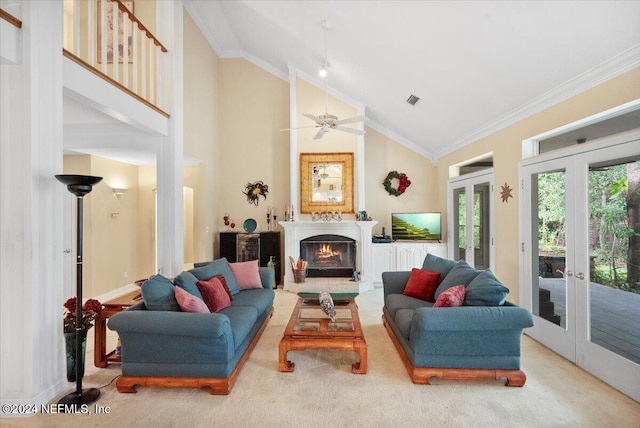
507	152
254	106
112	226
383	155
201	136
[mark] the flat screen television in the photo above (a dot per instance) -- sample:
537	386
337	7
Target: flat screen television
416	226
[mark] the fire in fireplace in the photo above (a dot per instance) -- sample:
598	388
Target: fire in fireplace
329	255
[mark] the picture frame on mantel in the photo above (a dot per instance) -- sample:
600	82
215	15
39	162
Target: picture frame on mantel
109	32
326	182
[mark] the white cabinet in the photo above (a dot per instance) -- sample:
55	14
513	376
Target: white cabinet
384	260
409	256
402	256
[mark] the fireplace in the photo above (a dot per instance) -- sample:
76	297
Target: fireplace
358	231
329	256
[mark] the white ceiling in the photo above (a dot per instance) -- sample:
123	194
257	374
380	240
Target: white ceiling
477	66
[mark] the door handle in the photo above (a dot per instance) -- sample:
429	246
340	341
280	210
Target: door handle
569	273
67	251
580	275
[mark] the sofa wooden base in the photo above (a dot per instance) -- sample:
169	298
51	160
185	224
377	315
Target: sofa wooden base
217	386
421	375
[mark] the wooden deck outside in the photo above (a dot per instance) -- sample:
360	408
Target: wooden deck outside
615	316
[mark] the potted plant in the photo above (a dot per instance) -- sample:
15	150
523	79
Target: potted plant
90	311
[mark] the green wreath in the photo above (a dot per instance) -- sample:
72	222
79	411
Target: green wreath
403	183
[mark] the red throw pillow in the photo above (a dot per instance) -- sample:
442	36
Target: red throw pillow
224	284
451	297
213	294
422	284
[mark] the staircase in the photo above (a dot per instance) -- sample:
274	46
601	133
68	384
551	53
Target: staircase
546	308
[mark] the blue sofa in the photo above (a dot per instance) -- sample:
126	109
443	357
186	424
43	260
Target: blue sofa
171	348
479	340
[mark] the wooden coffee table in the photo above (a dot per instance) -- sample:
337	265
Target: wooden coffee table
310	328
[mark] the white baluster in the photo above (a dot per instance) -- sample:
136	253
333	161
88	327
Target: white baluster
76	27
143	70
103	34
126	22
152	72
91	32
116	39
136	57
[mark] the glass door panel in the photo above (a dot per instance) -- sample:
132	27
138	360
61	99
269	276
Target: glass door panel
481	235
613	275
470	219
460	224
550	211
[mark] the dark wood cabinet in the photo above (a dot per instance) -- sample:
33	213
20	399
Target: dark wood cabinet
240	247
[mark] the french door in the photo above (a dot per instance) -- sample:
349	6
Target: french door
580	276
470	219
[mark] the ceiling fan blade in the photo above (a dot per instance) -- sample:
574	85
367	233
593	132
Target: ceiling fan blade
349	130
352	119
319	134
299	127
312	117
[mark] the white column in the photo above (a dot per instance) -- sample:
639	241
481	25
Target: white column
170	157
360	169
294	164
31	204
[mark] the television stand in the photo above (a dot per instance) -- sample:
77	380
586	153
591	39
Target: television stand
403	256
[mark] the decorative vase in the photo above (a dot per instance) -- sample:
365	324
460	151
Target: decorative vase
70	346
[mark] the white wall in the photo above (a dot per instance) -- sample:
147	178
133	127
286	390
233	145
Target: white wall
31	199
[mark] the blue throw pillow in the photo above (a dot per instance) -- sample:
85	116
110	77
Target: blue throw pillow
216	267
158	294
437	264
460	274
188	283
485	290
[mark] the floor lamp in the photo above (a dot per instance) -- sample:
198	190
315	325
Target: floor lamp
79	185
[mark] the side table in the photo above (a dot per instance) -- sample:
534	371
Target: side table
109	309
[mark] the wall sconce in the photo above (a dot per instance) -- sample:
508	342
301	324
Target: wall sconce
119	192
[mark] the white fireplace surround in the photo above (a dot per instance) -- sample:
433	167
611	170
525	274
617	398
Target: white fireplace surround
360	231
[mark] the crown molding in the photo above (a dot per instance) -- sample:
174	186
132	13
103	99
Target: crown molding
197	19
402	140
619	64
319	83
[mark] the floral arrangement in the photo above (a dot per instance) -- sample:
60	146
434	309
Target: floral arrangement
403	183
254	190
90	311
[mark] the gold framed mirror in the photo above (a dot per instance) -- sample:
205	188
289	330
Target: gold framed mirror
326	182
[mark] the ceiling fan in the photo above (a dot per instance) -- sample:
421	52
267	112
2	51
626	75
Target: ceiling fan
327	121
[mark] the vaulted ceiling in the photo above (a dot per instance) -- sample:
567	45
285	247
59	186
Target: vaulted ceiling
477	66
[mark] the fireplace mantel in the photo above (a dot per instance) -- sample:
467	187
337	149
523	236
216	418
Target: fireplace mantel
360	231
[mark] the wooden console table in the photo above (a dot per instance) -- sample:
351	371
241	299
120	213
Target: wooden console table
109	309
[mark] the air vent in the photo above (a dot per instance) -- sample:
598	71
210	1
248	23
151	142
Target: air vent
413	99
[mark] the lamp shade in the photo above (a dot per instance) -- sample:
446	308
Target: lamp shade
79	185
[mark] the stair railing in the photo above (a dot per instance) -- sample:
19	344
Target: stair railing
106	37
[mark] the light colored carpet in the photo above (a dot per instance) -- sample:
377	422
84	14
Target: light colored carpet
322	391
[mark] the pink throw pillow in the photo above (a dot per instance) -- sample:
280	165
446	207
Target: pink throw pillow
422	284
190	303
451	297
213	294
247	274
